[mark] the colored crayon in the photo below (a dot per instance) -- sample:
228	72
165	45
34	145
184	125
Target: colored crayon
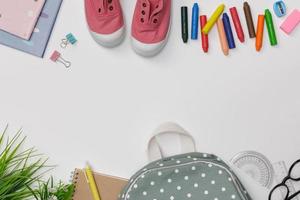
204	37
260	32
237	24
222	37
195	22
228	31
270	28
249	20
213	19
184	24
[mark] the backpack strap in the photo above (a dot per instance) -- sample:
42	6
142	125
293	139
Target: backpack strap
169	129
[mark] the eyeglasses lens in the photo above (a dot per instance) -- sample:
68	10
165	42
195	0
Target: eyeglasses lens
295	173
279	193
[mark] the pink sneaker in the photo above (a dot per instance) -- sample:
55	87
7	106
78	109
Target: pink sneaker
105	21
150	26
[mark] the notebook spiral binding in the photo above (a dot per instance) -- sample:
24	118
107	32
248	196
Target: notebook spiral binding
74	179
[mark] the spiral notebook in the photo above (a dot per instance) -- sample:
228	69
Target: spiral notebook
109	186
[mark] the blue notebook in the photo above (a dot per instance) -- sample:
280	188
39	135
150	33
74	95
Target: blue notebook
37	44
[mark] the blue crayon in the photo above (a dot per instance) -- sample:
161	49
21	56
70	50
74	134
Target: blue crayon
195	22
228	31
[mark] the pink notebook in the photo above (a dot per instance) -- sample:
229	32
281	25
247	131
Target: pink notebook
19	17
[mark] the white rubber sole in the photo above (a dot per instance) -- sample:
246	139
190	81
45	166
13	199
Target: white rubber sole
147	50
109	40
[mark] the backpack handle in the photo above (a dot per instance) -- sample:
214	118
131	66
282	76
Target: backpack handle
155	144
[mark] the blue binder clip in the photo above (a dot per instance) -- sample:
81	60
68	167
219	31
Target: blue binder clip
70	39
279	8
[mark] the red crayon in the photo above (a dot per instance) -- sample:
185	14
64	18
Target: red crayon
237	24
204	37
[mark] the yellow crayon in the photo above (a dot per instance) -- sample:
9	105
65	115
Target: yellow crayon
213	19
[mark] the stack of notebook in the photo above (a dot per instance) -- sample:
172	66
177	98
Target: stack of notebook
27	25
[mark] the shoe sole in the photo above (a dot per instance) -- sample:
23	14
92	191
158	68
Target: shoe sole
109	40
147	50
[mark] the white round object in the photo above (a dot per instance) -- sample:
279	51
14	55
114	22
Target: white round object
256	165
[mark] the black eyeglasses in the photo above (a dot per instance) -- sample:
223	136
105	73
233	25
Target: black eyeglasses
293	175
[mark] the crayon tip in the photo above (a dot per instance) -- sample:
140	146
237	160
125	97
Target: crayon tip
226	52
225	15
258	48
267	12
242	39
246	4
222	6
205	49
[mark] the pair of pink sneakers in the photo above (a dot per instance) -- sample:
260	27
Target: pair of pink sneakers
149	29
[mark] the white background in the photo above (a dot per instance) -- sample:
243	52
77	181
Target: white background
104	108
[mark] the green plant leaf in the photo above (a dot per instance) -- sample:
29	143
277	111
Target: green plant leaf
20	170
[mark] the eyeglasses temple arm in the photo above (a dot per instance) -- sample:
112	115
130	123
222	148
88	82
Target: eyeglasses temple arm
293	195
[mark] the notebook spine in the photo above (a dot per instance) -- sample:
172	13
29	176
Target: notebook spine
74	180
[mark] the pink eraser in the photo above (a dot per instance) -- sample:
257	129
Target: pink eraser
55	56
291	22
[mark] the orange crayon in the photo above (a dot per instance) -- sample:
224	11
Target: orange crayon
222	36
260	32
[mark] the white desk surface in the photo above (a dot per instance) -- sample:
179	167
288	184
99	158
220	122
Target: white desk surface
105	107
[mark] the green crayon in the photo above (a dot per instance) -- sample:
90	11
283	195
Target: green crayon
270	27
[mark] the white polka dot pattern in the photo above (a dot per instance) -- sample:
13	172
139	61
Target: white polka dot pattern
187	177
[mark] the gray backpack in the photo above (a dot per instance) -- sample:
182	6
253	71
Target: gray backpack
190	176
